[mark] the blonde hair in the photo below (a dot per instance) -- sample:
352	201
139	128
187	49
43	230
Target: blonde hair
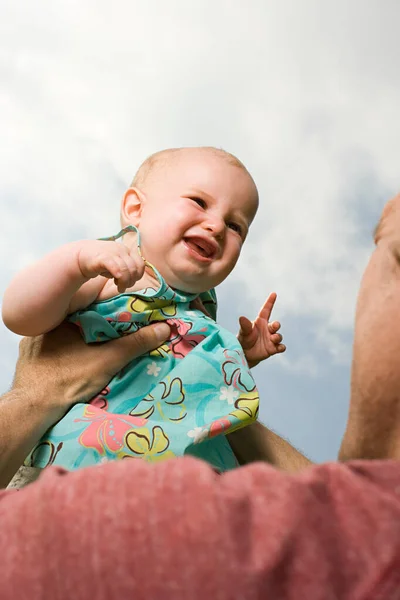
163	157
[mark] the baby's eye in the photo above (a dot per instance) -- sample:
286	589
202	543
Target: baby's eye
235	227
199	201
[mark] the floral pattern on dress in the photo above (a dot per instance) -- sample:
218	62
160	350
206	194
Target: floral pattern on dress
150	445
181	398
105	433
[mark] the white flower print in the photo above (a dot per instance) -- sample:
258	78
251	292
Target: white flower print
229	394
152	369
198	434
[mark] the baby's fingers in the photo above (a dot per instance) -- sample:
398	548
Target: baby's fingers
276	338
247	334
134	270
274	326
123	278
246	326
127	277
139	262
110	267
131	269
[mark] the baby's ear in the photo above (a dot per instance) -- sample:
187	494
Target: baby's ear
132	206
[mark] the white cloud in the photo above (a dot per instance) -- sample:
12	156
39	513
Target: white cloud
305	365
306	93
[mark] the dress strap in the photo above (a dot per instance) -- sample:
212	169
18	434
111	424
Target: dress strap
208	298
134	229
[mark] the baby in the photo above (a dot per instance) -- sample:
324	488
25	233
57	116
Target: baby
185	219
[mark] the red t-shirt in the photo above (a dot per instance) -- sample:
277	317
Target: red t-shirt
178	530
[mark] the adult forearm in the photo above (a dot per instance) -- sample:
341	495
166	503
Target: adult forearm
373	429
22	424
258	443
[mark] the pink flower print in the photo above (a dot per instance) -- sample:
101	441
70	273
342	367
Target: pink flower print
106	431
124	317
100	401
220	426
181	343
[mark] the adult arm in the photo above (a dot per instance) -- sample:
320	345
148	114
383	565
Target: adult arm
373	428
54	372
259	443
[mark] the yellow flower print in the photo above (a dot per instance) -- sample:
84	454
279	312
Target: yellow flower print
161	351
246	408
154	309
166	312
152	446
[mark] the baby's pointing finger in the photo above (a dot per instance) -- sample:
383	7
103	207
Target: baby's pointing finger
266	310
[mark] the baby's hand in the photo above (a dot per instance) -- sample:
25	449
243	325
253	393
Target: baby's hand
259	339
112	260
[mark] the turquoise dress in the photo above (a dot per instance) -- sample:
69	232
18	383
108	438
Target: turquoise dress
179	399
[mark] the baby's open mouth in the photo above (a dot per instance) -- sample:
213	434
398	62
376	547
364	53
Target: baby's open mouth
205	248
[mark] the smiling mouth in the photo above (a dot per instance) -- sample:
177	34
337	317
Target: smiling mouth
202	249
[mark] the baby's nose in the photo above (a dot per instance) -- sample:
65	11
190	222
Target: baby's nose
215	225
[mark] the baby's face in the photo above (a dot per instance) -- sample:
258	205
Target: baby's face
194	219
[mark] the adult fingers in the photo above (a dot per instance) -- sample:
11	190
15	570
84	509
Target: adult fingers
118	353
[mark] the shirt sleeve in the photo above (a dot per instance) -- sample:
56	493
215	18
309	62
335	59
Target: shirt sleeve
179	530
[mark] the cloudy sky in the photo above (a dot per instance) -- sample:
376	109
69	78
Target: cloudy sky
305	93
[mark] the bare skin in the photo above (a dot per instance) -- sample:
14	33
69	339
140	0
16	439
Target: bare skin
258	443
60	365
373	428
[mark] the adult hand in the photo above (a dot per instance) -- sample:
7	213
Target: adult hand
54	371
60	369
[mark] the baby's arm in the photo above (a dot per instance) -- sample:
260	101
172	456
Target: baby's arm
260	338
43	294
